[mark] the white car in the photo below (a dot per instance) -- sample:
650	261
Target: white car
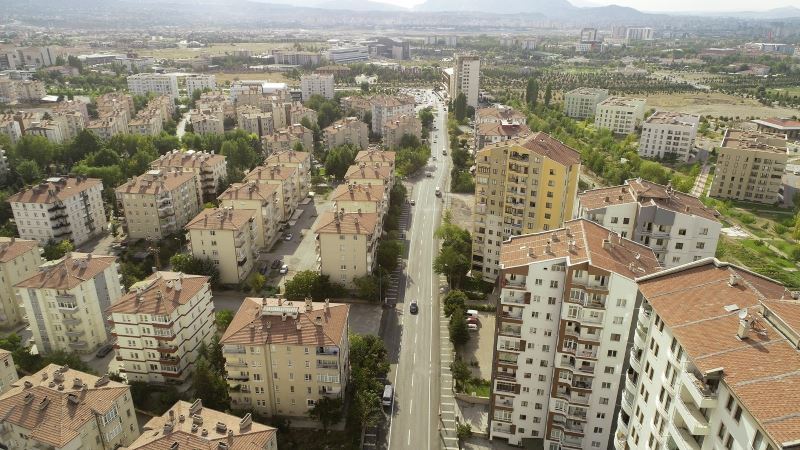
284	269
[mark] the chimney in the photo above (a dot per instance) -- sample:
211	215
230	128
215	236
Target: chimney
531	253
327	304
743	331
318	321
309	304
733	280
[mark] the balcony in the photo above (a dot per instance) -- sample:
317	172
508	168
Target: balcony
627	403
516	299
509	330
621	425
164	348
327	390
683	440
503	402
571	441
639	339
327	350
328	365
239	377
511	315
75	333
586	354
630	384
235	363
502	429
168	359
72	321
620	440
67	307
511	346
644	317
702	395
696	424
507	360
79	345
636	363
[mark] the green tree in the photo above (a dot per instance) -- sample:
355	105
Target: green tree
311	284
209	385
369	407
459	333
36	148
339	159
365	87
531	93
183	262
463	431
29	171
548	95
460	107
239	155
56	250
388	252
453	301
223	319
461	373
653	171
367	287
328	411
257	282
212	352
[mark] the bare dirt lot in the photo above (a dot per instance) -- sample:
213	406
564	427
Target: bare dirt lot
715	104
461	208
213	49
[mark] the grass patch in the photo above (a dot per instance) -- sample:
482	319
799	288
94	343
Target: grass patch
478	387
760	259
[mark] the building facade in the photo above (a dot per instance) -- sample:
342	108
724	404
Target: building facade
621	115
209	168
286	139
387	108
158	83
316	84
349	130
286	178
399	126
668	134
346	244
262	197
466	78
581	103
8	372
227	237
19	260
200	82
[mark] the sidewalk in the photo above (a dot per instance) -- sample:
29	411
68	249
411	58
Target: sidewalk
448	408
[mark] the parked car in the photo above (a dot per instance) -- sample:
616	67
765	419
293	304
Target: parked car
288	237
284	269
429	175
473	320
412	202
264	268
414	308
104	350
277	263
472	313
472	327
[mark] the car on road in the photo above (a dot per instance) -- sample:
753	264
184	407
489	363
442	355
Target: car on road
429	175
435	159
288	236
473	320
444	152
388	395
472	327
284	269
412	202
472	313
277	263
414	308
104	350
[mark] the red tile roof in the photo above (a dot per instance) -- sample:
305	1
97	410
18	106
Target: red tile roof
68	272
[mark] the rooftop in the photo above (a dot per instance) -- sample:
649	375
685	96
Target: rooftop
754	140
364	172
498	112
623	101
581	241
588	91
12	248
332	222
55	189
673	118
68	272
289	156
250	190
375	156
156	181
502	129
357	192
272	172
159	294
277	321
778	123
545	145
221	219
188	159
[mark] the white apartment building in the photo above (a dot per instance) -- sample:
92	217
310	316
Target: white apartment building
287	138
281	357
180	423
668	133
567	303
349	130
254	121
158	203
621	115
386	108
678	227
65	302
60	208
227	237
207	121
242	89
262	197
48	129
63	409
19	260
10	128
581	103
200	82
287	178
466	78
714	362
344	55
633	34
8	372
158	83
72	121
316	84
346	244
109	126
209	168
159	326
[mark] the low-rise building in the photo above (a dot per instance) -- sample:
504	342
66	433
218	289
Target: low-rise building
227	237
19	260
158	203
286	139
262	197
109	126
374	156
284	176
298	112
386	108
353	198
347	242
357	105
158	83
374	175
60	208
678	227
297	58
581	103
8	372
160	325
500	114
347	54
178	428
750	166
621	115
210	168
350	130
114	101
668	134
66	299
207	121
316	84
48	129
65	409
399	126
789	127
200	82
493	133
282	357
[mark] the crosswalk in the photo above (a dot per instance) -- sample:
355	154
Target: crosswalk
447	402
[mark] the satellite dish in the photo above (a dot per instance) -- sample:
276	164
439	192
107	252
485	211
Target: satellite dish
743	314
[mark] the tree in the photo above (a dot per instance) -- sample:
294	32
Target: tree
311	284
210	386
257	282
239	154
223	319
548	95
367	287
29	171
459	333
328	411
183	262
461	373
653	171
369	407
463	431
212	352
56	250
532	93
460	107
388	252
365	87
454	300
339	159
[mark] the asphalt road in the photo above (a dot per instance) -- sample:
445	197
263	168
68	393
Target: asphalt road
413	338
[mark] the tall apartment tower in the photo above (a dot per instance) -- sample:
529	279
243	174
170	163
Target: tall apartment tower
581	103
667	133
714	362
466	78
316	84
567	302
522	185
19	259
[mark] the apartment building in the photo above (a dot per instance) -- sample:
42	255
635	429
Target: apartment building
581	103
158	203
228	237
72	121
789	127
216	100
159	326
200	82
358	105
669	134
287	178
678	227
64	409
399	126
347	54
499	114
19	260
60	208
297	58
109	126
3	164
621	115
254	121
522	185
375	157
66	299
262	197
210	168
207	121
180	423
350	130
387	108
281	357
750	166
8	371
10	128
30	90
158	83
286	139
633	34
353	198
298	112
346	244
48	129
256	92
108	104
493	133
567	302
375	175
316	84
465	78
299	160
714	362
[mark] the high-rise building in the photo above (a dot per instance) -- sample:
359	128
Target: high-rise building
621	115
316	84
678	227
66	301
581	103
157	83
281	357
227	237
666	134
714	362
386	108
19	259
633	34
160	325
522	185
750	166
566	308
466	78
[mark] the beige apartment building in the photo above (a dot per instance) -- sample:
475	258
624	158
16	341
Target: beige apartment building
209	168
207	121
667	133
10	128
19	260
108	126
353	198
621	115
158	203
108	104
66	299
72	121
228	237
52	130
346	244
262	197
499	114
145	124
63	409
350	130
281	357
493	133
60	208
299	160
316	84
581	103
285	177
222	431
254	121
298	112
399	126
373	156
371	175
358	105
8	372
386	108
158	83
200	82
159	326
287	139
522	186
750	166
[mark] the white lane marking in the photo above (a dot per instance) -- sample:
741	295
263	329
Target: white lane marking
409	437
412	381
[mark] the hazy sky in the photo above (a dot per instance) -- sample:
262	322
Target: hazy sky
660	5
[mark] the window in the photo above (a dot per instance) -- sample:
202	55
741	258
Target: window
615	337
554	284
758	439
609	370
729	405
615	220
682	232
700	245
738	414
721	432
678	245
621	302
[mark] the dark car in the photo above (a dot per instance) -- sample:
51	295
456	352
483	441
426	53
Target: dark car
413	308
276	264
104	350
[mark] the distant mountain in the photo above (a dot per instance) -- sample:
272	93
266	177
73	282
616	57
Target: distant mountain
358	5
547	7
786	12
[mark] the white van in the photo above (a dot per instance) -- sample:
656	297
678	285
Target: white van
472	313
388	395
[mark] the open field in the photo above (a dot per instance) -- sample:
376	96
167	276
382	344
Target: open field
277	77
715	104
213	49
